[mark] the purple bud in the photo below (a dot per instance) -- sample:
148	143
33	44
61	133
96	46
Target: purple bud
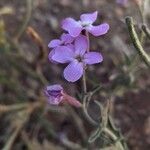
54	94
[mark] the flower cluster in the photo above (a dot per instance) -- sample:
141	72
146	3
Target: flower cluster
73	46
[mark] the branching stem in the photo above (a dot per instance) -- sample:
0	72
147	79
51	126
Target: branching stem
136	42
114	137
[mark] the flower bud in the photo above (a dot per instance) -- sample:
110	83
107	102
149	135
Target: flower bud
56	96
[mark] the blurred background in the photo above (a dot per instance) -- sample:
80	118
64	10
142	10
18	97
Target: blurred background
26	27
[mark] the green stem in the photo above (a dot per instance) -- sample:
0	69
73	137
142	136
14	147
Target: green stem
136	41
146	30
85	107
86	99
88	41
115	138
84	83
141	10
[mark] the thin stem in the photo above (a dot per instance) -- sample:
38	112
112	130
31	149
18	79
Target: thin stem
142	37
115	138
96	90
25	20
6	108
84	82
105	117
86	101
146	30
87	96
141	9
88	40
136	41
85	107
84	74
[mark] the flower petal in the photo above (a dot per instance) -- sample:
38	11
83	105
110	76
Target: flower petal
66	38
63	54
72	26
70	46
54	87
73	71
52	52
81	45
89	17
54	101
92	58
98	30
54	43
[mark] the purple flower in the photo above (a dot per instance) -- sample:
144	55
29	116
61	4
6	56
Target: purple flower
56	95
64	40
74	27
77	58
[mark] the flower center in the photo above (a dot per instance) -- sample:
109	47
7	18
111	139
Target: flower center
85	24
79	58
